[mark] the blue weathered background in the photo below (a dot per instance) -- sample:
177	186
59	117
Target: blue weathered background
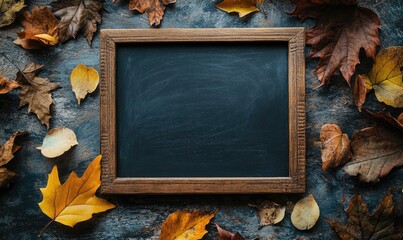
140	217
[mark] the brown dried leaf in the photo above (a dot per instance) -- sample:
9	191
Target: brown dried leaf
361	225
225	235
341	30
386	117
77	15
6	154
305	213
7	85
376	151
360	92
153	8
335	146
269	212
35	92
40	29
8	10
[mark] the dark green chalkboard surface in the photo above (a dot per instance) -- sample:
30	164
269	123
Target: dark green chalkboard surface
202	109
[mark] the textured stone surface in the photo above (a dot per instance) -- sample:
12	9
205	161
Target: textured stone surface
140	217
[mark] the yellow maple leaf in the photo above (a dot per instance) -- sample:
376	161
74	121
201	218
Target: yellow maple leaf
75	200
242	7
386	77
83	80
186	225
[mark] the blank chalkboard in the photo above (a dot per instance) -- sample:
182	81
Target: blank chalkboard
198	109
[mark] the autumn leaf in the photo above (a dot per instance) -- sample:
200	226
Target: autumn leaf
335	146
77	15
186	225
57	141
7	85
242	7
6	154
153	8
35	92
361	225
385	78
83	80
225	235
387	118
305	213
39	29
341	30
376	151
8	10
75	200
269	212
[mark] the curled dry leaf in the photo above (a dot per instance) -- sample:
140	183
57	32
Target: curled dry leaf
153	8
75	200
186	225
376	151
8	10
225	235
35	92
360	92
242	7
361	225
335	146
269	212
385	78
40	29
77	15
83	80
305	213
57	141
386	117
6	154
7	85
341	30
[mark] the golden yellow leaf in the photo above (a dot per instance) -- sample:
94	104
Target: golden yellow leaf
242	7
83	80
75	200
186	225
58	141
386	76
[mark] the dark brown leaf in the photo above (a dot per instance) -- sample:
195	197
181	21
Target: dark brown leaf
387	118
7	85
40	29
35	92
6	154
225	235
341	30
376	151
77	15
361	225
335	146
269	212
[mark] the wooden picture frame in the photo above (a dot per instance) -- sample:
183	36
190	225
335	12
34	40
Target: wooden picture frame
295	183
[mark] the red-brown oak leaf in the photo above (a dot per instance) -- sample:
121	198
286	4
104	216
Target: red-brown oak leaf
341	30
361	225
77	15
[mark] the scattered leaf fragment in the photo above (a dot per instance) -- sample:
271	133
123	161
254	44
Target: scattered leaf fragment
341	30
7	85
6	154
83	80
225	235
40	29
77	15
57	141
35	92
269	212
8	10
376	151
242	7
335	146
386	77
305	213
75	200
153	8
186	225
360	92
386	117
361	225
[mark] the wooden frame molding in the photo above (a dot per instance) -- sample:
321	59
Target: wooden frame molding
295	183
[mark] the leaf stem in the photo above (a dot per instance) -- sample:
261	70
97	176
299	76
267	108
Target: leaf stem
43	229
